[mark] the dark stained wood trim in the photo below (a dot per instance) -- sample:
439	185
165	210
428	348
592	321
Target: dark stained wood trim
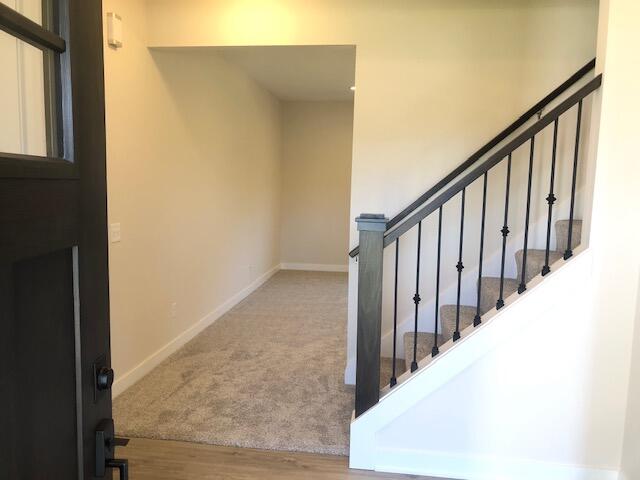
52	87
371	228
87	84
29	31
37	216
14	165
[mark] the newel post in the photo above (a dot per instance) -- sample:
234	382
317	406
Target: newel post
371	228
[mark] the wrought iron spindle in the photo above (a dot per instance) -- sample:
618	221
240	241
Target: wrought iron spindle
435	350
551	198
505	233
459	267
523	284
416	300
477	321
569	251
394	380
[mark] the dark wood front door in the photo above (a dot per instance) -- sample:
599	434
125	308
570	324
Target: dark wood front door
54	298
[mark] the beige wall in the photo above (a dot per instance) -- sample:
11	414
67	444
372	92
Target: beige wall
316	181
425	71
435	80
193	162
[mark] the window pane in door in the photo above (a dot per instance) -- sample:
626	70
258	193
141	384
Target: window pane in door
23	126
32	9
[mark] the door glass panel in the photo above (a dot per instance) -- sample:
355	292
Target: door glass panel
23	125
32	9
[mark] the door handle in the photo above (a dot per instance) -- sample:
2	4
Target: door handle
122	465
106	443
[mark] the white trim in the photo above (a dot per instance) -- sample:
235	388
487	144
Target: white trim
136	373
314	267
365	451
482	467
350	372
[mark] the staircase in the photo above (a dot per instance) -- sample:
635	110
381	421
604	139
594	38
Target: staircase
490	292
544	179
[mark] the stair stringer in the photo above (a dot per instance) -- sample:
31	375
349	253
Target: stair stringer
568	282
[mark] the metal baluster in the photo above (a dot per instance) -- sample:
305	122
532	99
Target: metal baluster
505	232
523	285
435	350
551	198
569	251
393	380
416	300
477	321
459	267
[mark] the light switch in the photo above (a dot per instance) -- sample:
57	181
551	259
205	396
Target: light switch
116	234
114	30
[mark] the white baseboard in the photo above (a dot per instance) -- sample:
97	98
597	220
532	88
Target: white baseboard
136	373
350	372
478	467
314	267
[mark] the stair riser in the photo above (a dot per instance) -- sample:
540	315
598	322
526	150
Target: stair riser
447	327
536	258
491	292
424	345
448	319
562	234
535	262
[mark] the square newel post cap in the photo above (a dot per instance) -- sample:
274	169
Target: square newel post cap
372	222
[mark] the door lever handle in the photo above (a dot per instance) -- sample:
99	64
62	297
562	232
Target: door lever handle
122	465
106	443
120	441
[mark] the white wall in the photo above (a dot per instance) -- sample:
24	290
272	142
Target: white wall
316	181
615	201
193	157
516	399
630	467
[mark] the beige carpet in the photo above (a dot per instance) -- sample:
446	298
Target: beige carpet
268	374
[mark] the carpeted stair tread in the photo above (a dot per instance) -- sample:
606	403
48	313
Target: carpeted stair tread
562	234
386	369
490	291
535	262
424	346
448	319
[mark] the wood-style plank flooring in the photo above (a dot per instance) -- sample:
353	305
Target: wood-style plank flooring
169	460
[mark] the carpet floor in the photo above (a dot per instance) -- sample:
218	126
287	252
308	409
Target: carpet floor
268	374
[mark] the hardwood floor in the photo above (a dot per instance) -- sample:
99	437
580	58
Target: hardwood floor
168	460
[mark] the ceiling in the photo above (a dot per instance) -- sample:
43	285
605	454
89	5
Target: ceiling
299	73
